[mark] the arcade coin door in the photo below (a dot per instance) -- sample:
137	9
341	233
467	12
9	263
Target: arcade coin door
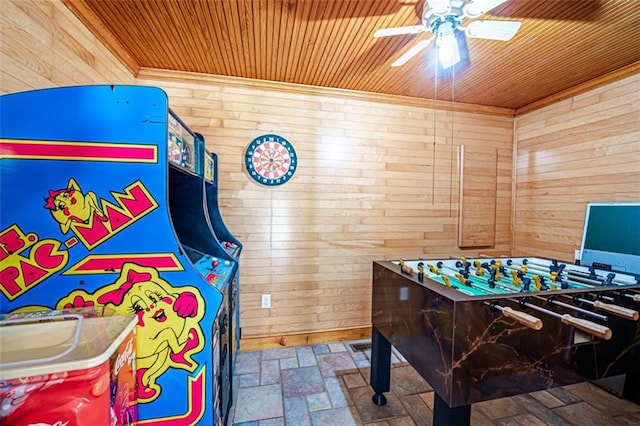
84	222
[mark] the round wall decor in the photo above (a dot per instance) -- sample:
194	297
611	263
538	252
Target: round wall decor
270	160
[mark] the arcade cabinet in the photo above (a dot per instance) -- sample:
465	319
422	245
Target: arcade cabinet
85	221
189	213
230	244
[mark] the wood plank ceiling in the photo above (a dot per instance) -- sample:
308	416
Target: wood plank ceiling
561	44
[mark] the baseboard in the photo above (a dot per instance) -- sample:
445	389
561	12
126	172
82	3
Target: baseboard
258	343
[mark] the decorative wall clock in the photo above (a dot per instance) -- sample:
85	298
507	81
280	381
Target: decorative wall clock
270	160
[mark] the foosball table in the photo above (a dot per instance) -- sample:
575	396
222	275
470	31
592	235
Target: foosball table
486	328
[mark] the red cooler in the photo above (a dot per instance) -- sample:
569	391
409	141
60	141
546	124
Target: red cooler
67	369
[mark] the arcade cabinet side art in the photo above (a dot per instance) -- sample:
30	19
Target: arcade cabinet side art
84	222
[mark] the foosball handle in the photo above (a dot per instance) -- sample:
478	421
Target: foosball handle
523	318
587	326
617	310
407	269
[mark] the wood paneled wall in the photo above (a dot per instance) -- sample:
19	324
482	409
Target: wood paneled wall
374	180
378	176
583	149
478	186
44	45
371	184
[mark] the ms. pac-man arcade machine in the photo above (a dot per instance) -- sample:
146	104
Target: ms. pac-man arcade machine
192	224
84	221
228	241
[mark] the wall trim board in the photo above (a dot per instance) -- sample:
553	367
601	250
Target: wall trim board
257	343
200	78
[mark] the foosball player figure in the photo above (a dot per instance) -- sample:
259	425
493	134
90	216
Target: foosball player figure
420	272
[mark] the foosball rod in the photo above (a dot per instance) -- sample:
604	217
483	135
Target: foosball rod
480	273
579	274
460	279
585	325
495	265
441	265
573	308
513	273
632	296
585	276
617	310
507	286
544	273
445	278
547	274
523	318
611	308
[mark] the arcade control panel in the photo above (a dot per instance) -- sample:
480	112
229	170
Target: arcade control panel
230	248
215	270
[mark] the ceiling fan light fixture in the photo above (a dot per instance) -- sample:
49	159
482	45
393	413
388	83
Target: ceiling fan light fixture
447	44
449	55
448	51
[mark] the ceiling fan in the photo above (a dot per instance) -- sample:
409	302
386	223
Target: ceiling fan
443	18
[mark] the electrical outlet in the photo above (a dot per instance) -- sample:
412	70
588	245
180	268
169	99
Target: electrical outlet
266	301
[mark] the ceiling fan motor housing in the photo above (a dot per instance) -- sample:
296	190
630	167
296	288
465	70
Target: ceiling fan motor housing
433	21
445	26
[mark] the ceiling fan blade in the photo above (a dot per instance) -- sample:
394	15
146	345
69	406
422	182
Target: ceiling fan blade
386	32
493	30
417	48
439	7
476	8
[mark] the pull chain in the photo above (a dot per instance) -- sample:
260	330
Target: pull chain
433	154
453	114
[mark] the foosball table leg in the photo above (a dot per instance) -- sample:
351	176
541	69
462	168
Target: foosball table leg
631	389
443	415
380	366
